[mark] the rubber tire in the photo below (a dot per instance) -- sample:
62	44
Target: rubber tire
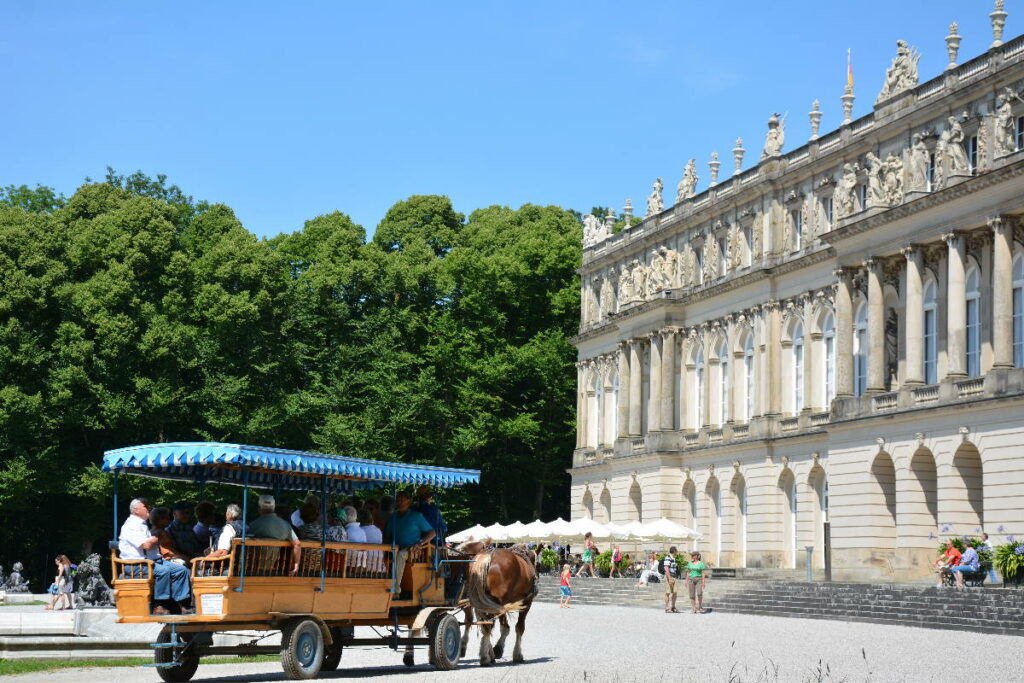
445	643
332	652
302	649
176	674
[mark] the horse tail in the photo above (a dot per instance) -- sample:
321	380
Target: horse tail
476	588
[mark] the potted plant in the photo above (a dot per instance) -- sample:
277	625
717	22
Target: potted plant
1009	561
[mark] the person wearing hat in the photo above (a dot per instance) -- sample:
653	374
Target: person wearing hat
425	506
181	530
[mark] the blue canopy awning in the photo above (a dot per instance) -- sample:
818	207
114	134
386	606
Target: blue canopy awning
274	467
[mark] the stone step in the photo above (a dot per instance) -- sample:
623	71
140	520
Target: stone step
37	623
994	614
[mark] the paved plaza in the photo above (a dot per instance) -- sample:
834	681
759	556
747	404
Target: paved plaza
646	645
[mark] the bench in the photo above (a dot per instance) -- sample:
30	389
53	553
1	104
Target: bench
972	579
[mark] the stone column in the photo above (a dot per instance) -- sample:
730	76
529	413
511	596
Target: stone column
844	334
635	386
1002	294
624	390
876	327
914	312
654	385
668	376
581	417
956	307
607	436
682	409
773	352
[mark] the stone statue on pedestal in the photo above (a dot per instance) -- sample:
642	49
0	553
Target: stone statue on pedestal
655	205
590	229
876	176
844	198
607	296
627	290
93	590
16	583
941	158
919	164
956	155
893	183
688	185
711	258
1005	132
902	75
639	279
775	137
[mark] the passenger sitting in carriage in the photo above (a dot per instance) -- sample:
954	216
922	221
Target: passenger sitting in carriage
172	590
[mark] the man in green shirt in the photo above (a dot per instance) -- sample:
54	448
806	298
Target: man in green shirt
269	525
695	580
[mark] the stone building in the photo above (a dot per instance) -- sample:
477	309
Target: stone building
836	334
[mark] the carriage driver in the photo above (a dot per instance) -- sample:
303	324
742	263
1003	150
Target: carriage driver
408	529
137	542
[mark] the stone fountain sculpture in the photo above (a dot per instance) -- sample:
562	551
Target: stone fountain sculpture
16	583
93	590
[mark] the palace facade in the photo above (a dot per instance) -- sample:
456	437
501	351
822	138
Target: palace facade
835	335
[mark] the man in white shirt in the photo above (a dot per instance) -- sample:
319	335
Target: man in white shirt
136	542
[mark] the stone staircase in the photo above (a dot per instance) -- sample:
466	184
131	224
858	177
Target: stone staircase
987	610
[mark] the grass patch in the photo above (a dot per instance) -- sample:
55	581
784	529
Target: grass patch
11	667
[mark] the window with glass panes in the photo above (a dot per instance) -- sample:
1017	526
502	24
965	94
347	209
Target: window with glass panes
973	323
798	368
860	351
931	339
972	154
1018	312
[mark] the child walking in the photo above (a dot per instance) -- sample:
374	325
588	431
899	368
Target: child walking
565	588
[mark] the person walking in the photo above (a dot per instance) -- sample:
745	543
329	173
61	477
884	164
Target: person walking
616	559
589	551
670	569
695	581
565	588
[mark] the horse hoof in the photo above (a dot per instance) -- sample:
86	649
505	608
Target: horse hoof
408	660
462	652
499	652
486	662
518	659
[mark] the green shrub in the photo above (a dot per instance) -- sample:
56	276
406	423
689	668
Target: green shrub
1010	560
548	558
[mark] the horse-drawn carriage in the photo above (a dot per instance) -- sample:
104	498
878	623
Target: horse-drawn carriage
338	585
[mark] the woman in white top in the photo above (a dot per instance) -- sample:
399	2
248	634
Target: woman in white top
373	535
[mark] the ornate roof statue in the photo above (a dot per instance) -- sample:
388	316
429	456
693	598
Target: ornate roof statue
654	201
902	75
775	137
688	185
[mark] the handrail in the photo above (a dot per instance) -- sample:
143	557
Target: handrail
273	558
117	566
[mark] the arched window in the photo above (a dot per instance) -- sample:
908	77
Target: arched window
698	418
860	350
798	367
828	357
723	382
1018	311
748	376
973	281
931	337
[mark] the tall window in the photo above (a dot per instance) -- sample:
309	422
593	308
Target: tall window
1018	312
796	220
748	234
723	251
718	519
613	419
973	323
860	351
699	373
828	342
972	154
1020	133
798	368
862	196
748	376
931	339
699	258
792	522
723	379
826	205
931	172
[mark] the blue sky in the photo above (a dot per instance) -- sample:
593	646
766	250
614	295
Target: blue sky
285	111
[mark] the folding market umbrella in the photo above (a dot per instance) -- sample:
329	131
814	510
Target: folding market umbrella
473	533
516	531
667	530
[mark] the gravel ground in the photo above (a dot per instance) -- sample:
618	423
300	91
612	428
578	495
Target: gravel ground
623	644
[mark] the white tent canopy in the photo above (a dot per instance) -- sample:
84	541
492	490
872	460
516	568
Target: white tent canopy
662	530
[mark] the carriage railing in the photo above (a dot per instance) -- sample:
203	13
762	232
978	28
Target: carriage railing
130	569
268	558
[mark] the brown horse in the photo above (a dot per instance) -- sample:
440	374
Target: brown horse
500	581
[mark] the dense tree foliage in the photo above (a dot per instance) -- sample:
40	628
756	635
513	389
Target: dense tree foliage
130	313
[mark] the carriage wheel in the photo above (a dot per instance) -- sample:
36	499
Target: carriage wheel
445	643
164	655
332	653
302	649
